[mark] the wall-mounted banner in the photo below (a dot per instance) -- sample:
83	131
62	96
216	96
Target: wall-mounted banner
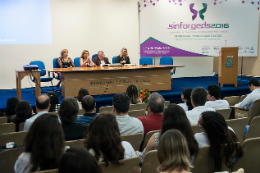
198	27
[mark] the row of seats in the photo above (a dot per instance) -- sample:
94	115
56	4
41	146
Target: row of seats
203	162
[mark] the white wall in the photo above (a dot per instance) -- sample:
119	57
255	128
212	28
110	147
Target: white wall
94	25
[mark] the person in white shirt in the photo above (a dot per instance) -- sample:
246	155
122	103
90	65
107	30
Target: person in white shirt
43	105
248	102
185	97
104	141
214	101
216	133
127	125
198	100
43	145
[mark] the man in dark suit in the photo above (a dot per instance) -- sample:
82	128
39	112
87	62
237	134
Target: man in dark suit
100	59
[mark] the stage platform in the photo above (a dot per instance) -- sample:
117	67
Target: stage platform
173	95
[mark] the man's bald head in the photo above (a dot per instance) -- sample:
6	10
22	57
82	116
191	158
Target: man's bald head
156	103
43	102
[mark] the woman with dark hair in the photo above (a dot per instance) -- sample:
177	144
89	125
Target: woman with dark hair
10	108
54	101
216	132
132	93
174	118
104	142
82	92
78	160
23	111
186	98
44	145
173	153
85	60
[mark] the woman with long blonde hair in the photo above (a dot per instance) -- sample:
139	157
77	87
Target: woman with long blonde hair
85	60
123	57
173	153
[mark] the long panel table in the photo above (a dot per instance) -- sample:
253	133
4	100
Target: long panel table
111	80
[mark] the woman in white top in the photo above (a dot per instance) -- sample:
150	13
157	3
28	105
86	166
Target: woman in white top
104	142
173	153
44	145
216	133
186	98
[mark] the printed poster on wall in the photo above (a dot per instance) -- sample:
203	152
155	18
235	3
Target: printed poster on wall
198	27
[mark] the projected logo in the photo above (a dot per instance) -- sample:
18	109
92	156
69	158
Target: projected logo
195	12
229	63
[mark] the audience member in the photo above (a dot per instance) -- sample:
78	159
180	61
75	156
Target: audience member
216	132
185	97
78	160
68	113
132	93
44	145
23	112
173	153
127	125
198	100
82	92
43	105
10	108
104	142
248	102
54	101
88	104
155	113
100	59
214	101
174	118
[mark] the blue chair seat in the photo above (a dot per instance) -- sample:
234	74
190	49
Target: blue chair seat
46	79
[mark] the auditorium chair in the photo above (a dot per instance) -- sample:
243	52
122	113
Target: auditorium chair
204	162
41	67
255	111
16	137
134	139
232	100
48	171
239	126
75	143
137	113
21	125
114	59
7	128
94	56
77	62
225	112
150	162
167	60
8	159
167	103
254	128
138	106
129	165
3	120
105	109
146	60
196	129
251	156
148	136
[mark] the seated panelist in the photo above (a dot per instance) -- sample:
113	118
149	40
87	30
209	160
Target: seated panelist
123	57
100	59
64	61
85	60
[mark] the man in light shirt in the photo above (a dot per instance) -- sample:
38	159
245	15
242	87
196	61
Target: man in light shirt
198	100
214	101
248	102
43	105
127	125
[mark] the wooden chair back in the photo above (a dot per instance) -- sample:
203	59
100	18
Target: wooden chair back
7	128
225	112
150	162
196	129
3	120
21	126
232	100
134	139
130	165
148	136
137	113
16	137
138	106
239	126
75	143
8	159
254	129
105	109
